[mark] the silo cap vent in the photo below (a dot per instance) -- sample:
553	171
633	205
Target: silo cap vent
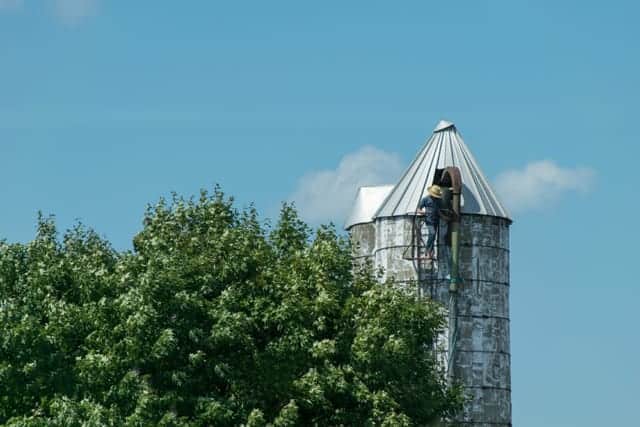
442	125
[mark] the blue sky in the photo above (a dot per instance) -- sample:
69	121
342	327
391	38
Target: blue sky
106	106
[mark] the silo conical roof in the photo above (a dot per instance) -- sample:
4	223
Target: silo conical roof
367	202
445	148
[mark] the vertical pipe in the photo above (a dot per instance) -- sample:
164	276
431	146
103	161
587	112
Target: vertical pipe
455	242
454	179
454	268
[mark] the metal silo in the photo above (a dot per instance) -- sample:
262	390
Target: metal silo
470	272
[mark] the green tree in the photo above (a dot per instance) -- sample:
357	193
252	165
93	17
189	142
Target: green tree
212	319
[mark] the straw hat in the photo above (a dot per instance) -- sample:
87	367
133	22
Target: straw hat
435	191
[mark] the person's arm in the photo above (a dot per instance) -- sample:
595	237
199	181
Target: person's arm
421	207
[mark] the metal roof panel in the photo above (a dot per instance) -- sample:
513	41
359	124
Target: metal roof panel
367	202
445	148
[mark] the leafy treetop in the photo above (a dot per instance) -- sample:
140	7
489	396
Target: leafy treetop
214	319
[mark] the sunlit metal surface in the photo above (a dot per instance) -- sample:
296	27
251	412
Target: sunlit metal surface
367	202
444	148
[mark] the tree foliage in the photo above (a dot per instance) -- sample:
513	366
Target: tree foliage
214	319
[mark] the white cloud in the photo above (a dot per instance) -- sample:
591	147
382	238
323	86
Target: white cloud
327	195
73	11
539	184
10	4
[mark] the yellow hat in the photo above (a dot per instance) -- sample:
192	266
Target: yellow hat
435	191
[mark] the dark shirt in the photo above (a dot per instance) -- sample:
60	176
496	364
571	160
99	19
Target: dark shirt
431	207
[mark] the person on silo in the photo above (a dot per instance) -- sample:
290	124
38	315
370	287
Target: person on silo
430	208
